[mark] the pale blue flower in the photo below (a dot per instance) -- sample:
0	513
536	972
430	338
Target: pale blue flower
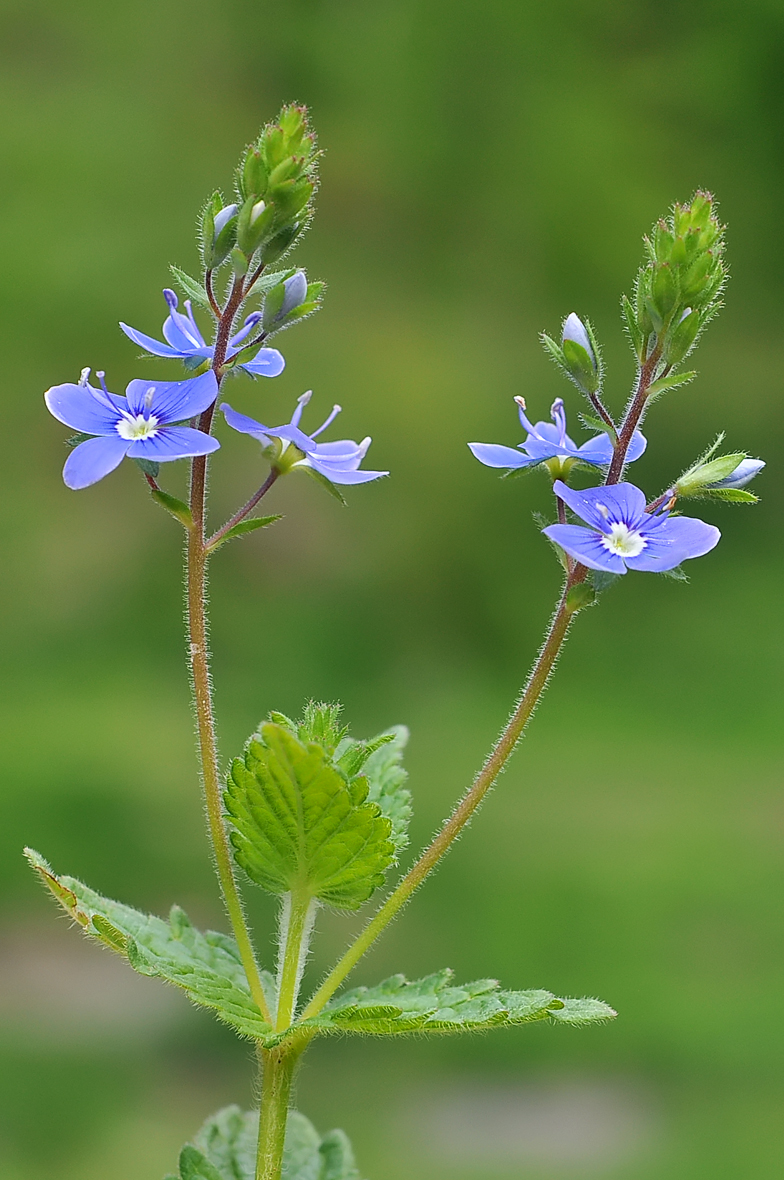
549	440
337	461
186	343
140	425
621	535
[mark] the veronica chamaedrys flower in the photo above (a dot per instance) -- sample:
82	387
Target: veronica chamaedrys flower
140	425
548	441
621	535
186	343
744	473
337	461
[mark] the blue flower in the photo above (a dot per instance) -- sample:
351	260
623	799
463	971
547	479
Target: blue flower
186	342
621	535
139	425
337	461
744	473
548	441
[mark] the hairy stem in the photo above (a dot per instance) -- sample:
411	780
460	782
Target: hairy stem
202	692
277	1071
198	651
633	417
496	760
218	536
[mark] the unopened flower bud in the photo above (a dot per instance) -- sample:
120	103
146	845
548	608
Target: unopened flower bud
225	215
744	473
578	354
574	329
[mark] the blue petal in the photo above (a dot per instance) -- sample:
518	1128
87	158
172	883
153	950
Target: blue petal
336	475
267	362
621	502
636	446
342	449
93	459
677	539
496	455
150	345
597	450
585	546
75	406
173	401
173	442
181	331
244	424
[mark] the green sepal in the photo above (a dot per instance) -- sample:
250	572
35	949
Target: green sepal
730	495
636	338
189	286
676	574
148	467
601	580
229	1139
239	262
244	526
206	966
297	824
580	596
435	1004
177	508
76	439
326	484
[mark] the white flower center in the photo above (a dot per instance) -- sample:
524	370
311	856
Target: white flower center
138	427
624	541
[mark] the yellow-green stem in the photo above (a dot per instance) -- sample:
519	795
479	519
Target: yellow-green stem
277	1071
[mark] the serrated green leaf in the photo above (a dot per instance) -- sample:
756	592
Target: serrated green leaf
298	825
194	1165
435	1004
387	783
244	526
176	508
338	1157
207	966
189	286
228	1141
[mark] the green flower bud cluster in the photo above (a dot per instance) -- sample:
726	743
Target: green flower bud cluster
275	182
678	288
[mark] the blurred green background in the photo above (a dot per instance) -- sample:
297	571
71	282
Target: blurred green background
490	166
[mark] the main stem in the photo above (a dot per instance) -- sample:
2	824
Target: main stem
198	652
277	1071
205	720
